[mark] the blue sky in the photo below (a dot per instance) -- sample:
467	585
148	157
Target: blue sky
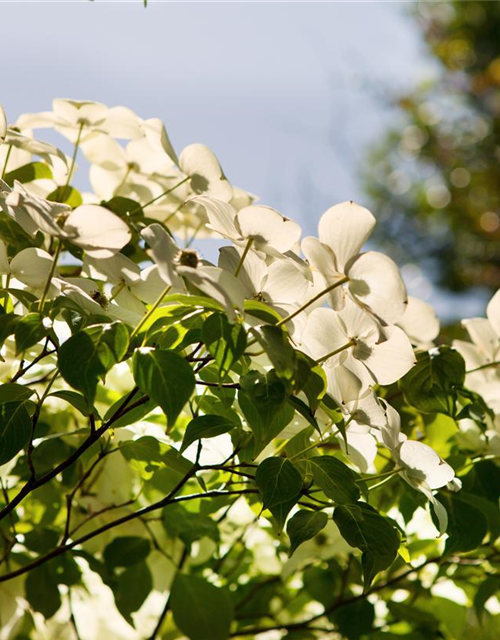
288	95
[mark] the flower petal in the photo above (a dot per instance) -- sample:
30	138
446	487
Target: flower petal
375	281
419	322
493	312
3	122
268	227
345	228
423	464
97	230
199	163
391	360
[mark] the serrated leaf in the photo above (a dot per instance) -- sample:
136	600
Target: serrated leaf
167	379
305	525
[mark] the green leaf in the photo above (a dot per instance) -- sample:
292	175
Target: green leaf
90	354
188	526
486	589
315	387
278	481
8	322
200	609
300	406
467	525
335	479
131	588
29	330
205	427
15	429
304	525
263	400
76	400
126	551
12	392
129	417
66	195
226	342
148	455
355	619
167	379
432	385
42	592
28	173
276	343
363	527
261	311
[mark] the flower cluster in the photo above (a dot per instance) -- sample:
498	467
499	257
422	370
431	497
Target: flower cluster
285	348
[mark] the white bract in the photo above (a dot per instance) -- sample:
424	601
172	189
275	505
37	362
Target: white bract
373	279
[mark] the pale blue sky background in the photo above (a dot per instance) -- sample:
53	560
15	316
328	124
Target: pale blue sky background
288	95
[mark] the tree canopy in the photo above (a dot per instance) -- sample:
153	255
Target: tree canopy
273	444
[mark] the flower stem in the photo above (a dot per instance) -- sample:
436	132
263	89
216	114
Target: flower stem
119	288
484	366
150	312
243	256
73	160
345	346
7	156
312	300
165	193
51	273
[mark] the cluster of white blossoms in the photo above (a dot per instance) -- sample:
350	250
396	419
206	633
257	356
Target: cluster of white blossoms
482	361
344	307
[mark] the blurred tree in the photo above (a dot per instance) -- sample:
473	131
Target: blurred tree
435	180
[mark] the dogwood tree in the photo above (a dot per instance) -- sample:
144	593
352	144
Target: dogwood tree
270	446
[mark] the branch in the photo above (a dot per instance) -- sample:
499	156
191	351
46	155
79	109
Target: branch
33	483
58	551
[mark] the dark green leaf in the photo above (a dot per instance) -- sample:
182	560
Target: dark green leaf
126	551
467	525
128	417
335	479
261	311
278	481
263	400
90	354
201	610
226	342
486	589
13	392
42	592
29	330
280	352
304	525
363	527
167	379
355	619
205	427
131	588
188	526
15	429
432	385
76	400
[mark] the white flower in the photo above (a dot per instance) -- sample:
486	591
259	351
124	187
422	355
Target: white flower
420	323
353	338
201	165
374	279
269	230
